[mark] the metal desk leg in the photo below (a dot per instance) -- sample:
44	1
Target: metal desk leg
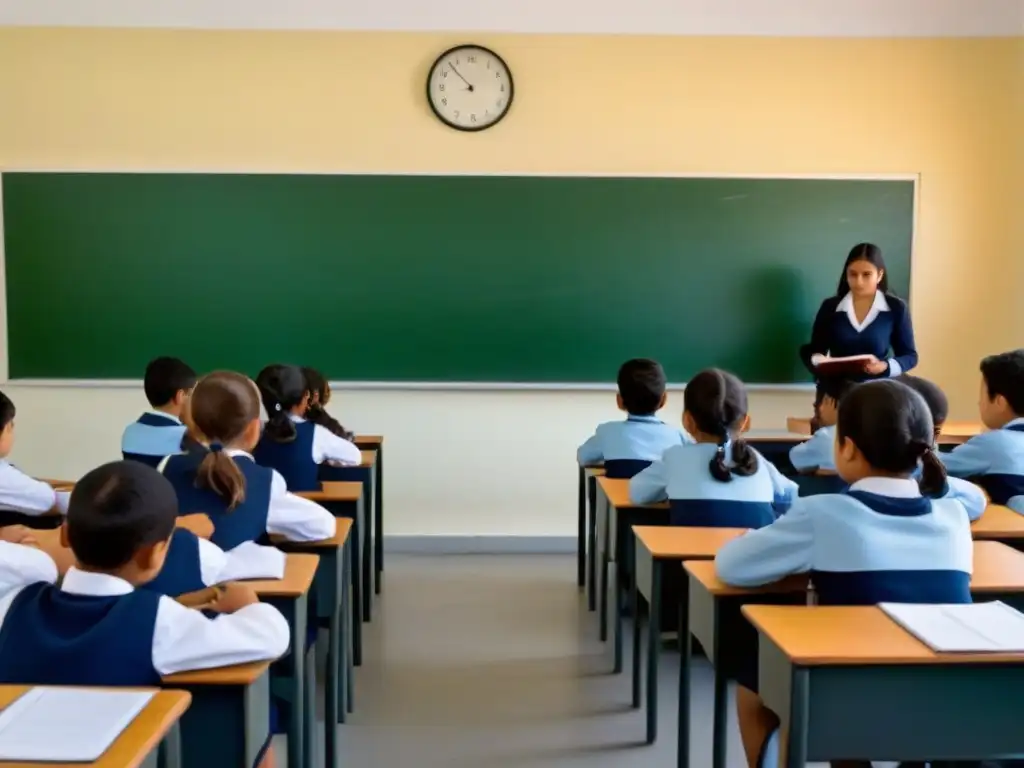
581	527
719	740
795	751
653	647
635	606
169	751
605	546
591	542
378	517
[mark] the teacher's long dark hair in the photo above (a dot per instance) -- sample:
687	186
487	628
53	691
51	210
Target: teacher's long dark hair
867	252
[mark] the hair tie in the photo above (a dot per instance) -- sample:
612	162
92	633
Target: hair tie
216	447
721	449
277	407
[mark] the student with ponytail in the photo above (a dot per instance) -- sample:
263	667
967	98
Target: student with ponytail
887	539
291	444
719	480
244	500
319	396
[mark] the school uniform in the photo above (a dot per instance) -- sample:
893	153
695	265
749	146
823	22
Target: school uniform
887	326
268	507
152	438
629	446
880	541
299	460
192	563
696	498
995	461
26	495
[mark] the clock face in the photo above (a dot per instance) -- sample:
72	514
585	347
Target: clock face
469	88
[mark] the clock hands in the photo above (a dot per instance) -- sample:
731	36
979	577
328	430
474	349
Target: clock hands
469	86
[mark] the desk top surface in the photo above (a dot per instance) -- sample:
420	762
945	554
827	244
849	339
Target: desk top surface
368	439
617	491
851	636
369	457
136	741
335	491
682	542
998	522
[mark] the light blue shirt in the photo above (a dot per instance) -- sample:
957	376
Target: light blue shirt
161	437
998	453
839	533
642	438
682	473
817	452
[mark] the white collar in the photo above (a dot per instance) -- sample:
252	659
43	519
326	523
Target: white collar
894	487
233	452
877	306
162	415
296	419
1014	422
78	582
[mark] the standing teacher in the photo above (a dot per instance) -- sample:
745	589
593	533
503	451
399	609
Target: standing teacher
863	318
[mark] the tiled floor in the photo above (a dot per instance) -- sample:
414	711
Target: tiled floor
494	661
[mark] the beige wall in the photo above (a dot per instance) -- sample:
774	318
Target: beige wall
950	110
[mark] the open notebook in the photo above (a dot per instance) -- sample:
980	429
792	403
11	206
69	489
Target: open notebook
249	560
67	725
992	627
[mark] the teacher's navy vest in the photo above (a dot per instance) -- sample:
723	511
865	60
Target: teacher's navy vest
50	637
246	522
294	459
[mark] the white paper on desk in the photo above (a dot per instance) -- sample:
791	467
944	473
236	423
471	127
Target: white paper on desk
249	560
827	361
67	725
992	627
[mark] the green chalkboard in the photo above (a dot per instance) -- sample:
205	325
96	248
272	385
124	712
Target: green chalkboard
431	278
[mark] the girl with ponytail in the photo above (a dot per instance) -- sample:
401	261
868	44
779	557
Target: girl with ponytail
244	501
898	534
719	480
292	444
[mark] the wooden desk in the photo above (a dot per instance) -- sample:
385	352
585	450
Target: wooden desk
229	720
715	619
953	432
376	443
346	501
154	729
654	548
586	530
879	693
999	523
290	595
331	586
366	475
615	515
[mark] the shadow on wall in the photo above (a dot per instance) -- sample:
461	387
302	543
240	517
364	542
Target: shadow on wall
770	352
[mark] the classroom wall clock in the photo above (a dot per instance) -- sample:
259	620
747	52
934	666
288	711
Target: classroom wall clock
470	88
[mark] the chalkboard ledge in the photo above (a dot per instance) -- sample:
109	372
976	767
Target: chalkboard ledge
439	386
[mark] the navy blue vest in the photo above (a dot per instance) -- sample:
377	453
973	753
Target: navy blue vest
294	460
1002	487
246	522
892	586
721	513
50	637
619	469
182	571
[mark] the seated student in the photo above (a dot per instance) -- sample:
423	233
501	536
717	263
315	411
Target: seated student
966	493
290	444
995	459
720	480
244	500
20	493
97	628
626	447
884	540
161	432
816	453
319	396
